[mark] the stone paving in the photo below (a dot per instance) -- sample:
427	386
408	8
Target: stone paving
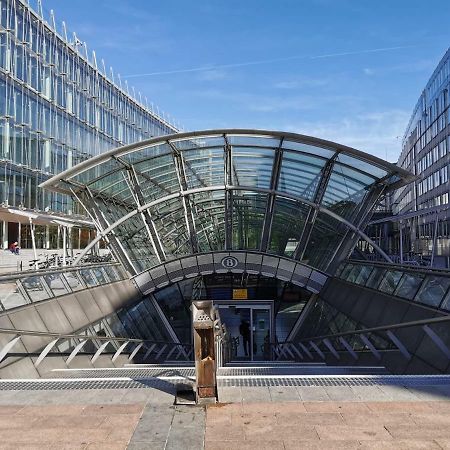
285	417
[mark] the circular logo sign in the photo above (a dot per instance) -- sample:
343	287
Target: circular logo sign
229	262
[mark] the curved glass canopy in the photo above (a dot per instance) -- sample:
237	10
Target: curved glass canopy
270	192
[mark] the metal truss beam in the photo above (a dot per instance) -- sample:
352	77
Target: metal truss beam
222	188
360	219
182	181
268	215
146	215
228	176
112	238
313	212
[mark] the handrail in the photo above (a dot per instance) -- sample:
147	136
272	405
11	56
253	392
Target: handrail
49	271
400	267
374	329
84	336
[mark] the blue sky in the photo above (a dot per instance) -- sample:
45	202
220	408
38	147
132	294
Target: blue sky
345	70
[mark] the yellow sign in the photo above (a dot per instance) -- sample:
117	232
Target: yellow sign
240	294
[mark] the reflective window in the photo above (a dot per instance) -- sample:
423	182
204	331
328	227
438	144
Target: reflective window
88	278
364	275
55	283
433	290
98	272
375	278
409	285
390	281
35	288
112	273
73	281
10	295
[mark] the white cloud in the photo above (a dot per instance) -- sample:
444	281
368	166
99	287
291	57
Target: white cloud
379	133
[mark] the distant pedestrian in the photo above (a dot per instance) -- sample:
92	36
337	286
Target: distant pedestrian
244	330
14	248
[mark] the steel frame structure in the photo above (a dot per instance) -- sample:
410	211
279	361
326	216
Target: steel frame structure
218	190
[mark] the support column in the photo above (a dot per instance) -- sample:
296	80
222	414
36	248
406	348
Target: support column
188	215
5	234
268	216
33	242
47	237
64	231
312	214
228	158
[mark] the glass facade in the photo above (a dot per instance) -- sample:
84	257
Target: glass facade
277	193
426	153
57	109
428	288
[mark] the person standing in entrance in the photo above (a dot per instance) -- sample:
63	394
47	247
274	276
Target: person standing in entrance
244	330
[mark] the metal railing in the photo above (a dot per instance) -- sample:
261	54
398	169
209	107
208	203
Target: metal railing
18	290
428	287
141	349
362	340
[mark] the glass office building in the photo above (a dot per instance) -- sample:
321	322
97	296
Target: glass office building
426	153
57	108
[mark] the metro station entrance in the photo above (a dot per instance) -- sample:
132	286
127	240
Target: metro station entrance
250	329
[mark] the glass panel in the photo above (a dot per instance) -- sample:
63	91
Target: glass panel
177	311
364	275
409	285
261	334
73	281
326	235
375	278
252	166
365	166
35	288
237	321
10	296
390	281
433	290
300	174
98	272
55	282
112	274
306	148
346	271
88	278
135	240
353	275
204	167
346	189
288	222
209	219
248	217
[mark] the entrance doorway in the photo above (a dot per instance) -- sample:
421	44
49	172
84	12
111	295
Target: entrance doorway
250	329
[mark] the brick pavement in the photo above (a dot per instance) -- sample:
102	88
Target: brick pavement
328	425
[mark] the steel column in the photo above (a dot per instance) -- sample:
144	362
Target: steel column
228	176
182	181
268	215
312	214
